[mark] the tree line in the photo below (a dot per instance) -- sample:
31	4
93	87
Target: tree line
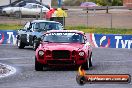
98	2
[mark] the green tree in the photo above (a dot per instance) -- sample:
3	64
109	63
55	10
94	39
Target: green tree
117	2
54	2
100	2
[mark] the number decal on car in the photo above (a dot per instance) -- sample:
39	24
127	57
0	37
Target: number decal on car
27	37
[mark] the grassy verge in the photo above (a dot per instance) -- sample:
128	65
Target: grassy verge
81	28
10	26
100	30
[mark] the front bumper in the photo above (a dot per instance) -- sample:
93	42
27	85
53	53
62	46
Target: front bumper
62	63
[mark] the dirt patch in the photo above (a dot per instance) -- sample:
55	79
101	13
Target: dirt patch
6	70
3	69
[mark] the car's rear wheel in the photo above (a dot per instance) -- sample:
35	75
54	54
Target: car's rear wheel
38	66
4	13
20	44
18	14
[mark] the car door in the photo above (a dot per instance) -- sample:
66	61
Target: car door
26	9
34	10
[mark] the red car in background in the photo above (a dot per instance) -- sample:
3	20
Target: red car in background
63	48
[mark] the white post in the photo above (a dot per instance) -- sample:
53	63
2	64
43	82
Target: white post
87	17
41	11
111	21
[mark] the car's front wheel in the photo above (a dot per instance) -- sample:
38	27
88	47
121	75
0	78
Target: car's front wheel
38	66
90	60
20	44
86	65
35	44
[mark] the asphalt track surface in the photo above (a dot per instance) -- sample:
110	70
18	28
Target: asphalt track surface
105	61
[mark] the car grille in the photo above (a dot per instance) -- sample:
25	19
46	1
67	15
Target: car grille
61	54
60	62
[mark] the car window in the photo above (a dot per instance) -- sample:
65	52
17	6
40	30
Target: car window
34	6
64	37
46	26
40	6
42	26
19	4
53	26
28	6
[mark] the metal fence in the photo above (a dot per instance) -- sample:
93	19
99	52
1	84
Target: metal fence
116	18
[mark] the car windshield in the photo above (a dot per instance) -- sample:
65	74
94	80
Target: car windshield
64	37
46	26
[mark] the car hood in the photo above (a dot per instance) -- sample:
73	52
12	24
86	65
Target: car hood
63	46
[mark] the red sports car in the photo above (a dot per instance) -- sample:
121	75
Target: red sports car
62	48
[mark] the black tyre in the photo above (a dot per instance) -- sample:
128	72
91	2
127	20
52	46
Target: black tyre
35	44
86	65
18	14
90	60
38	66
20	44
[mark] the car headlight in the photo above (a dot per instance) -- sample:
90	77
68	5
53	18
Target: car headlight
41	53
81	53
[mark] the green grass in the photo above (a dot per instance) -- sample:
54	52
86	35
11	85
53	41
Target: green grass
100	30
10	26
81	28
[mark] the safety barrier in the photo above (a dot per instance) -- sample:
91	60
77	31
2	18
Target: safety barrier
111	40
96	40
8	36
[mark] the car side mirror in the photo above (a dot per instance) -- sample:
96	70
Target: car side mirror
40	42
85	38
22	29
29	28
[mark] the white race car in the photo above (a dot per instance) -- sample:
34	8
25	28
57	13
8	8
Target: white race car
29	9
